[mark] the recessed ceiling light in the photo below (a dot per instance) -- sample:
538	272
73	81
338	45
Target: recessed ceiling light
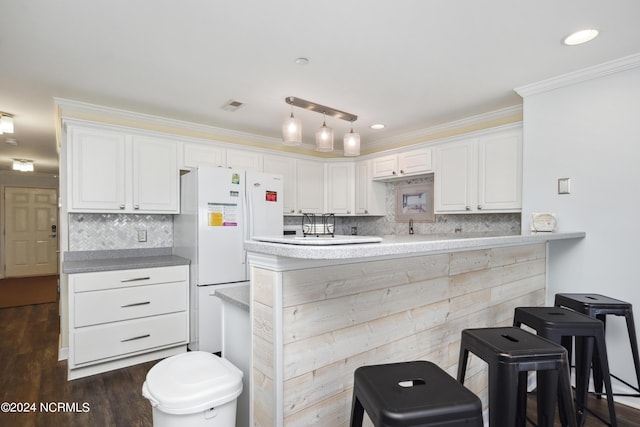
378	126
302	61
11	141
580	37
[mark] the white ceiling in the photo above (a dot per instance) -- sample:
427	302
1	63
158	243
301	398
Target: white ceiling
411	64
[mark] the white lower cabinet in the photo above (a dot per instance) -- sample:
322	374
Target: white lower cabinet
124	317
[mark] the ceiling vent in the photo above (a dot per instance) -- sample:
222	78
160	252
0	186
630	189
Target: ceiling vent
232	105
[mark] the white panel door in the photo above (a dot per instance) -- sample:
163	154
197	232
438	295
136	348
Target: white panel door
455	177
31	238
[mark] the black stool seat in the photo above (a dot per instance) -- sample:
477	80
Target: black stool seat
560	325
412	394
599	306
510	353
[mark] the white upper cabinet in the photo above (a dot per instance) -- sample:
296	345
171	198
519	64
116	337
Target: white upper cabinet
339	188
112	171
97	166
370	194
482	174
242	159
500	172
406	164
156	178
285	166
203	155
310	182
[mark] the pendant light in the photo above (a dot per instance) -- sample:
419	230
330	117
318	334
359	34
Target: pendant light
292	131
351	145
324	137
6	123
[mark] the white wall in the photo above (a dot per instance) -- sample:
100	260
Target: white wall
590	132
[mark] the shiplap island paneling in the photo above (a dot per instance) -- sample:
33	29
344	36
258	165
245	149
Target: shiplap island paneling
315	321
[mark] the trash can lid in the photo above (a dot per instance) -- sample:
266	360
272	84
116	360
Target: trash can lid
192	382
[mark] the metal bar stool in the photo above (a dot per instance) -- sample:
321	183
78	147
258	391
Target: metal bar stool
412	394
560	325
599	306
511	353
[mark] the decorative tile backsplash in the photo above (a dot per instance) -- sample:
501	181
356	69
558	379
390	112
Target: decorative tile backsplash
508	223
88	232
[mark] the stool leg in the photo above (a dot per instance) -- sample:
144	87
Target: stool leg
357	412
634	343
503	399
584	358
521	412
462	364
604	363
547	396
597	369
567	409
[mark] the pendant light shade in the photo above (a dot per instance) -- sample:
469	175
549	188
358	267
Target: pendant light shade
324	138
292	131
6	123
351	143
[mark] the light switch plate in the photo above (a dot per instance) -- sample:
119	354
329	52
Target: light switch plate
142	235
564	186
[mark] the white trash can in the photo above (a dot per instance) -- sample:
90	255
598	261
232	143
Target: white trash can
193	389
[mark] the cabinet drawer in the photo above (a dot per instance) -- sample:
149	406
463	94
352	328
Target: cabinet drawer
92	308
123	338
84	282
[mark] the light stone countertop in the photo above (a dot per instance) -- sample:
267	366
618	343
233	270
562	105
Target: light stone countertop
238	296
124	259
394	246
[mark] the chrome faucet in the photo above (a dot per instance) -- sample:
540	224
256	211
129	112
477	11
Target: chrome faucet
410	226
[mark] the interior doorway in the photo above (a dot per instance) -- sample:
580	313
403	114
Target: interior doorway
30	232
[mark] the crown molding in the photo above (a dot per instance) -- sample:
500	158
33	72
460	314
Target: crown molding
77	110
457	126
589	73
66	106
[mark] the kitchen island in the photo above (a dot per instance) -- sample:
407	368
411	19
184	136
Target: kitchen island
319	312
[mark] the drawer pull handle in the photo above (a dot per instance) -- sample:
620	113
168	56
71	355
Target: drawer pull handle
137	279
136	338
135	304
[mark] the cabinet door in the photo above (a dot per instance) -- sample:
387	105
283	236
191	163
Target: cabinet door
385	167
455	177
369	194
203	155
285	166
310	177
97	170
339	182
415	162
155	175
247	160
500	172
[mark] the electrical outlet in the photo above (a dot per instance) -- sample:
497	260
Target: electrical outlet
142	235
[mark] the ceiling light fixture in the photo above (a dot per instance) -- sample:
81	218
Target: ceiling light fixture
6	123
324	136
292	130
351	145
23	165
580	37
377	126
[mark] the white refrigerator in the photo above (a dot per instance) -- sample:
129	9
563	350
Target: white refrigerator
220	209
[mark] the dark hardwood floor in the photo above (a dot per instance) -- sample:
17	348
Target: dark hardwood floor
30	374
